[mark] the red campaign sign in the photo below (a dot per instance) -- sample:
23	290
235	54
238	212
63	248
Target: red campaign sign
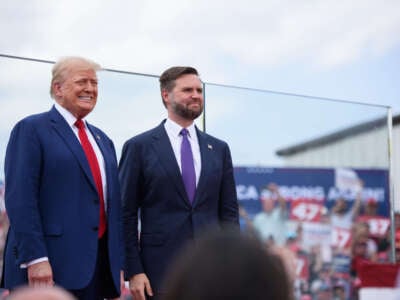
341	237
302	267
304	210
378	226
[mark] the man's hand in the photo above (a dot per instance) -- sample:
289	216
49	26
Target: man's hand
40	274
138	284
122	282
122	286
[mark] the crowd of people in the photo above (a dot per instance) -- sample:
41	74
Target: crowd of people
328	267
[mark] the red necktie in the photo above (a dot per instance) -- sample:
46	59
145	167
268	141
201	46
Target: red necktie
94	167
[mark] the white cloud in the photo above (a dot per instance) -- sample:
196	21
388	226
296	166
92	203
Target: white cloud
223	39
150	35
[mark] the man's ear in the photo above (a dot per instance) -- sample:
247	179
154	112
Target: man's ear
165	96
57	88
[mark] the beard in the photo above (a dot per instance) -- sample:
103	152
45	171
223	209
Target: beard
185	112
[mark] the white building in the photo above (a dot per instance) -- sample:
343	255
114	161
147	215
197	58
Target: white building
361	146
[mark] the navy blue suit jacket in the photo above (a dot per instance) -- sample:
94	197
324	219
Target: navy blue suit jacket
152	183
53	205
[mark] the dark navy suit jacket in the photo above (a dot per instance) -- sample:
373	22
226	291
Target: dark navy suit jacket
53	205
151	183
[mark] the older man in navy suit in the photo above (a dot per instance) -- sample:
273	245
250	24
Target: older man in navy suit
62	194
177	180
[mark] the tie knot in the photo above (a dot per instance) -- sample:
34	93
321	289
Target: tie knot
79	124
184	132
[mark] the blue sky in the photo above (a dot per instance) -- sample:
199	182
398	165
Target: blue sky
336	49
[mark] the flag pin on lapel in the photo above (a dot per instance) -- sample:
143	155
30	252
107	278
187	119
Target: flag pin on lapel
209	146
97	137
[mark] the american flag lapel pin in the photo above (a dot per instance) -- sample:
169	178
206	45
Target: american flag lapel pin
209	146
98	137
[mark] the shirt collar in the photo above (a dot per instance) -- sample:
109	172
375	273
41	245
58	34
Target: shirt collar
70	118
175	128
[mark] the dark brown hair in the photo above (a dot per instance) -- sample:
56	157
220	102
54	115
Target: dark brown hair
168	77
228	265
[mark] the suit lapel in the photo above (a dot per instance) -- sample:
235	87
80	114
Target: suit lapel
206	154
70	139
100	143
162	146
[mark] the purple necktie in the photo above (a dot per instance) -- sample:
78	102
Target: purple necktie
188	173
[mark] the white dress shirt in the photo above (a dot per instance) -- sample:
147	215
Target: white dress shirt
173	131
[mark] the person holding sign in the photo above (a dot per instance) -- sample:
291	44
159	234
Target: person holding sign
270	223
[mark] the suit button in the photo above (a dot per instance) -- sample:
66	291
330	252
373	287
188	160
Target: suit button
95	228
15	252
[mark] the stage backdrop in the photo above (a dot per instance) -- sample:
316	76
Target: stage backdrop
311	193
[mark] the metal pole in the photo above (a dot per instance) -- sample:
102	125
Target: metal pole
391	187
204	107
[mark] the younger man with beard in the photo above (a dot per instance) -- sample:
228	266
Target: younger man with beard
180	179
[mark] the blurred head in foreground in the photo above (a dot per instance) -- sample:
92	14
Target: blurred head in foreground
228	265
40	293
